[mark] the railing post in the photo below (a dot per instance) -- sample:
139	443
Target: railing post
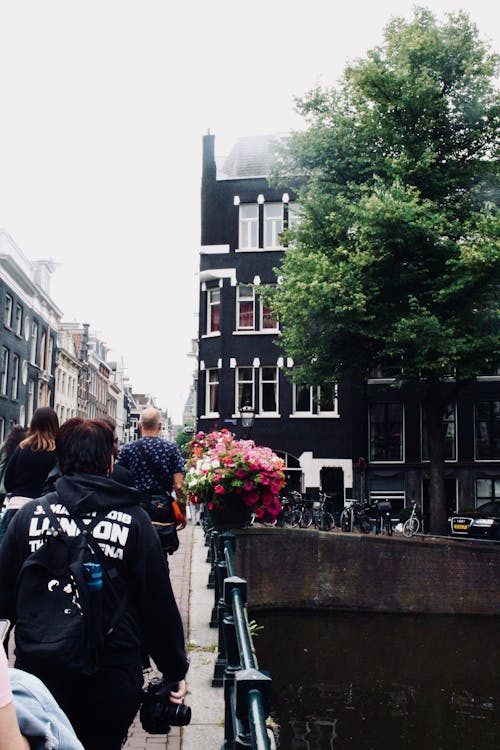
253	699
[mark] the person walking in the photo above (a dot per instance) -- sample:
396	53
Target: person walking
30	463
157	465
34	457
16	434
101	706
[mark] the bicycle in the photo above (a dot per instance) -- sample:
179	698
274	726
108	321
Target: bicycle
291	514
321	518
412	524
354	515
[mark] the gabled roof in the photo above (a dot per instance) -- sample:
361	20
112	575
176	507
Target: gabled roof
251	156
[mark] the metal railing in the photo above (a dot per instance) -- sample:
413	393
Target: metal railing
247	690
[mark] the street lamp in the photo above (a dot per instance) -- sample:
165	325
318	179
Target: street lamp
247	414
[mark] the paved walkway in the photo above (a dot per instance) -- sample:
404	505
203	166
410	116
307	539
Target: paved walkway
189	575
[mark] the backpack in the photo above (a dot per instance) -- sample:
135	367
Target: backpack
60	590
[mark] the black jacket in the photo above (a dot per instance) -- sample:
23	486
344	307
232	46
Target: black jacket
27	471
151	621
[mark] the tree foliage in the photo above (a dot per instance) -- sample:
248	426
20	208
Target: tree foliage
394	264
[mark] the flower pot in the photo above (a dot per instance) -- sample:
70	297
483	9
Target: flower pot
232	514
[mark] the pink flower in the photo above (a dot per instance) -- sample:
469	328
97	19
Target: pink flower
219	489
248	486
240	473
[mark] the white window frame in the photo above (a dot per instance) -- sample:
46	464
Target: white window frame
302	413
209	384
262	382
331	412
4	371
239	301
266	329
273	226
14	389
211	304
34	341
8	311
18	319
240	382
248	238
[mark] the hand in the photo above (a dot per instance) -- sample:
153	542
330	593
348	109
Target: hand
177	696
182	524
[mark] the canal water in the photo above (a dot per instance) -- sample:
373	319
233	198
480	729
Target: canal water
377	682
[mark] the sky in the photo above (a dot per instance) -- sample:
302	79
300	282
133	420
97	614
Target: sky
104	104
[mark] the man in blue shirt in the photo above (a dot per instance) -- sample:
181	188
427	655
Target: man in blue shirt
156	464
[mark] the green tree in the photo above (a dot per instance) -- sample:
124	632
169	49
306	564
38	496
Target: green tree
394	264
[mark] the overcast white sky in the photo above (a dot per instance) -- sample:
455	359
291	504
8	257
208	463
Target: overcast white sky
103	107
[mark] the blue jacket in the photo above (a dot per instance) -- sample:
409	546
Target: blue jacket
40	719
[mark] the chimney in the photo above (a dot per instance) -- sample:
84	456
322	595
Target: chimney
209	173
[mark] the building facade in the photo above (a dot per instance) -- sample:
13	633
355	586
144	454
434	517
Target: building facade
351	439
28	335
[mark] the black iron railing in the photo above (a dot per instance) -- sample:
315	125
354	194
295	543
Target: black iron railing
247	690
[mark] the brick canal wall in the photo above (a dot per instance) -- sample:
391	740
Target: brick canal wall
302	568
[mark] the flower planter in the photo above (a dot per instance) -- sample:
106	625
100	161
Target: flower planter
233	514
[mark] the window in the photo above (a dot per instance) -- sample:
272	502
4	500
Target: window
4	368
268	319
213	311
273	225
487	490
449	426
386	432
302	399
328	399
34	342
245	308
7	313
212	394
249	226
18	322
31	399
244	388
293	215
2	429
487	430
269	390
15	378
316	400
43	347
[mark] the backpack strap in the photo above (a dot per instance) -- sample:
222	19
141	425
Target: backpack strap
108	572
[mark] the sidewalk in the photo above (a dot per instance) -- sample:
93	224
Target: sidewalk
189	575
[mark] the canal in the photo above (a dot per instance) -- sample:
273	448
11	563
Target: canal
377	682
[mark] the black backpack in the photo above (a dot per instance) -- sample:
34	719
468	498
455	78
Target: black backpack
60	590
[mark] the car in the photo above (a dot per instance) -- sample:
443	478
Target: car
481	523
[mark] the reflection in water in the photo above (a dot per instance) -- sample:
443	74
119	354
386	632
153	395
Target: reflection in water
378	682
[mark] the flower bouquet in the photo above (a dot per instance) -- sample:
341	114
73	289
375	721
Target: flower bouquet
227	474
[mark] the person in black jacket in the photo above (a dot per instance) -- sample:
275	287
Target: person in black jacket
102	707
34	457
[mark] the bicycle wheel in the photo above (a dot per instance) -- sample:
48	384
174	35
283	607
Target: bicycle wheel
364	524
292	518
326	521
345	520
306	519
411	526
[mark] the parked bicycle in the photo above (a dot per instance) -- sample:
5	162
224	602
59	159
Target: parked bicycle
321	518
291	514
383	510
354	515
412	524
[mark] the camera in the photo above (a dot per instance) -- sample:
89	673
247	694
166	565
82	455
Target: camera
158	714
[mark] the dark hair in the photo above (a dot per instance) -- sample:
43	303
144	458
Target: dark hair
16	434
43	430
84	445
